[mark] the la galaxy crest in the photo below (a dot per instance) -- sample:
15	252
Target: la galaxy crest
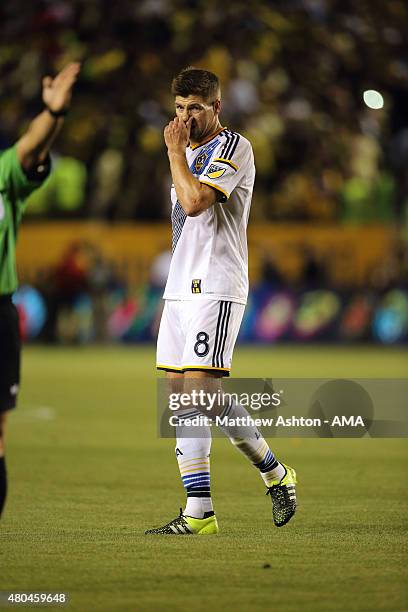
201	161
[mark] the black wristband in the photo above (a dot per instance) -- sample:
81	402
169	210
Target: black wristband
57	114
39	171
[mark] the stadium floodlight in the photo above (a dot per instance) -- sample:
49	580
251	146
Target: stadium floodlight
373	99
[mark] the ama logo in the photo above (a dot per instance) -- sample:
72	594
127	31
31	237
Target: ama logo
344	407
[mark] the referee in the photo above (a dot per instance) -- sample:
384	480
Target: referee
23	168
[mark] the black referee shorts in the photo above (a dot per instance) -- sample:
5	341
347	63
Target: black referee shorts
10	345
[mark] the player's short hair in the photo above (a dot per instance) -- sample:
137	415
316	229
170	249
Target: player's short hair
193	81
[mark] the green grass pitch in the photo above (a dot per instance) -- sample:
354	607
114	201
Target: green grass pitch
88	475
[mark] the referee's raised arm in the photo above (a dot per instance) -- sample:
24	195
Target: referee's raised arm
33	147
23	168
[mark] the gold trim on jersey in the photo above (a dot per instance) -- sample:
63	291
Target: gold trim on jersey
160	366
202	367
227	195
200	144
226	161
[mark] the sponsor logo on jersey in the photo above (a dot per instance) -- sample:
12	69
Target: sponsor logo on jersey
215	171
196	285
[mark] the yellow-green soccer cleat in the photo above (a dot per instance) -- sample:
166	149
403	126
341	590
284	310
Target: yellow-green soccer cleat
283	496
187	525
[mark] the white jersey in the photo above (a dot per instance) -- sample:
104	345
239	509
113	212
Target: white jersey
210	253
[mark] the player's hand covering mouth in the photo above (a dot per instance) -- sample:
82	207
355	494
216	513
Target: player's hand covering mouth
193	126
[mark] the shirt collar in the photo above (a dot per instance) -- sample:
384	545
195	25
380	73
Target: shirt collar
200	144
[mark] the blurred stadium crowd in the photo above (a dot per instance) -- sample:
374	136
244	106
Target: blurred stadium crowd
293	74
84	298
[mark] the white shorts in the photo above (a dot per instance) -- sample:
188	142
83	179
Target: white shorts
198	335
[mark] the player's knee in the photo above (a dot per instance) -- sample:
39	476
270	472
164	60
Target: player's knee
175	382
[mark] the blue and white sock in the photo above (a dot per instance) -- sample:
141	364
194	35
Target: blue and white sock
193	457
253	445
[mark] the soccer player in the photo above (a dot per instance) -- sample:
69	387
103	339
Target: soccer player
213	175
23	168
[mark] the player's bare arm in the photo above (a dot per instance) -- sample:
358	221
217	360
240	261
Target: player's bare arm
29	153
34	145
193	196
